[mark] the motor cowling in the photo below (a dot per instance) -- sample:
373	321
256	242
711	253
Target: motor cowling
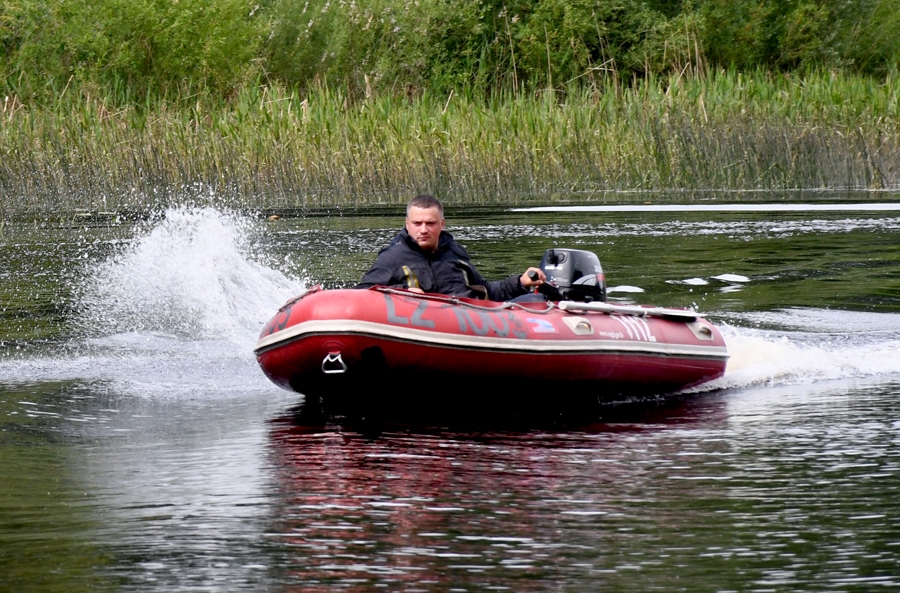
575	274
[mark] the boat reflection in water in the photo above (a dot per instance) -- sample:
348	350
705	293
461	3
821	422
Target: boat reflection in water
446	507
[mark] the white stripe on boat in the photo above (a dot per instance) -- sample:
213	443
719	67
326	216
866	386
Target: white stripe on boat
521	345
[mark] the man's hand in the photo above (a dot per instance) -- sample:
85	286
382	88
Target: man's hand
538	278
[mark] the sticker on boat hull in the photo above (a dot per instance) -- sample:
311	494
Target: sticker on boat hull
541	326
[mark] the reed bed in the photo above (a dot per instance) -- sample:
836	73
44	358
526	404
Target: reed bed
269	148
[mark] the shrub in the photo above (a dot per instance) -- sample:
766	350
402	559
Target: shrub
138	46
862	35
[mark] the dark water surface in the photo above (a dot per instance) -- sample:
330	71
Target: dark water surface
141	449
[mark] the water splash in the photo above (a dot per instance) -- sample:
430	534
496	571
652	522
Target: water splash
176	312
189	276
810	346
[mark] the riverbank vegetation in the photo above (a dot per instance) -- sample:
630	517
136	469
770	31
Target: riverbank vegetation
113	104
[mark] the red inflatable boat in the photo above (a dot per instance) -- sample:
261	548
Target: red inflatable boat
364	347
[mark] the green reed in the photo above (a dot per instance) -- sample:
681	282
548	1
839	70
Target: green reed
269	148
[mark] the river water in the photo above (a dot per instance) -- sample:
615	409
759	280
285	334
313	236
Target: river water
141	449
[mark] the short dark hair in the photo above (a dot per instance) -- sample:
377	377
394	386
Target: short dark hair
425	201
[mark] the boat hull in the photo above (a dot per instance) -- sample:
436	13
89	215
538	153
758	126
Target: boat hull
350	347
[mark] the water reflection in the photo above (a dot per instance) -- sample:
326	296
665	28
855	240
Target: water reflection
804	453
421	506
722	491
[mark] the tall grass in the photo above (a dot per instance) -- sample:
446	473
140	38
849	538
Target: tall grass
270	148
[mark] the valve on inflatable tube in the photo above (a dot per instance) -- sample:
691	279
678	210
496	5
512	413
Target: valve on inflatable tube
572	275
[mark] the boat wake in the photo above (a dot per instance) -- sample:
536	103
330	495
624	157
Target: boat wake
177	311
802	346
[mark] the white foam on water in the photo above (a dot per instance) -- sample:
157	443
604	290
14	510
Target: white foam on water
734	282
175	313
624	288
810	346
189	276
731	278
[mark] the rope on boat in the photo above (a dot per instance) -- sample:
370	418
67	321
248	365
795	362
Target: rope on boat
456	301
566	306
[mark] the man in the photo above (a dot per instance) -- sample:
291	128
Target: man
424	257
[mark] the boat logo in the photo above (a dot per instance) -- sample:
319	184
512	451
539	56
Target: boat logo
611	335
637	327
541	326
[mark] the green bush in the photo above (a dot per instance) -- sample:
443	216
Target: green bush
135	47
132	51
860	35
869	35
381	45
444	44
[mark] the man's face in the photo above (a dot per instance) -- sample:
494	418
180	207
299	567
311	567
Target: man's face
424	225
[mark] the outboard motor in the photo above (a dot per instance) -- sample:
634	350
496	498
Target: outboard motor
575	274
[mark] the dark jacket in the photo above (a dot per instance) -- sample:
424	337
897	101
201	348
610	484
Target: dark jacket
445	271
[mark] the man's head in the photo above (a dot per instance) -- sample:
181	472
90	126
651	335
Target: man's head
425	221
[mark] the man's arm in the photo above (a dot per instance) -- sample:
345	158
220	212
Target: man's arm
513	286
381	273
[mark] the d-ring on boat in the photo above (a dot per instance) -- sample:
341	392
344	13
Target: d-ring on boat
356	349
